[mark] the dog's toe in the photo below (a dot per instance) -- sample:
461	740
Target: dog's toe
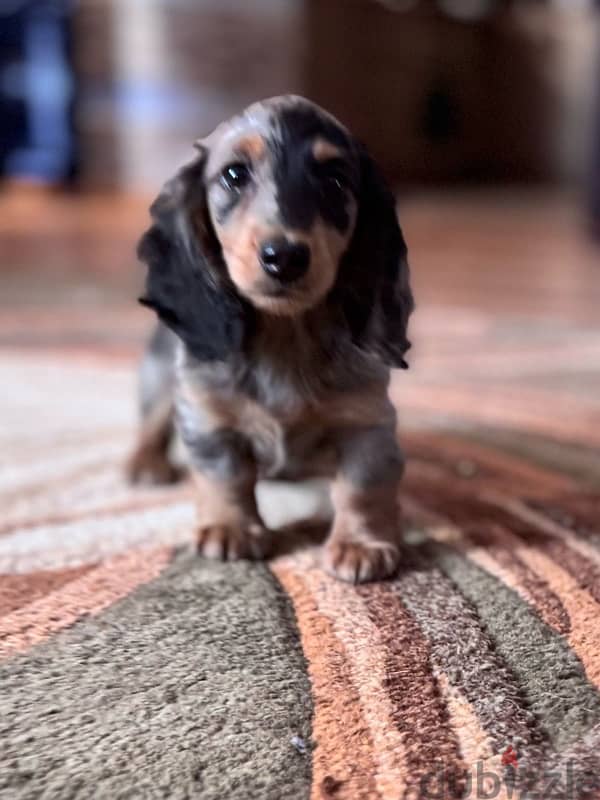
230	542
360	562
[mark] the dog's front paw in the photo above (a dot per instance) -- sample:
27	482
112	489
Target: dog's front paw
360	561
230	542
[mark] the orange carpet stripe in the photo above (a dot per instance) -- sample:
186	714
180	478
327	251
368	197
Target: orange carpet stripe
89	594
343	756
475	744
347	611
510	574
20	590
395	683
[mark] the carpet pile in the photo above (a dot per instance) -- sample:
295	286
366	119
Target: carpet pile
130	668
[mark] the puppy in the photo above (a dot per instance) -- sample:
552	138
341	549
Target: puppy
278	272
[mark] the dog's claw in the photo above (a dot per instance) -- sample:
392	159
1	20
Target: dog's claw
360	562
232	542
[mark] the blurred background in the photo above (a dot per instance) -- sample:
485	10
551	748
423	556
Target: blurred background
484	114
110	93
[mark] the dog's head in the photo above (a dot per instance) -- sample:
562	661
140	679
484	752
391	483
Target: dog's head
281	211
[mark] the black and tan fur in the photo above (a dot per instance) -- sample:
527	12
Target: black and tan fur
265	377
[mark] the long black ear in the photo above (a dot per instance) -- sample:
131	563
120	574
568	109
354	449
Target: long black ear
373	280
187	283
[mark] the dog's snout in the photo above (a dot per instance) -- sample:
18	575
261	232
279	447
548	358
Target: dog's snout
284	260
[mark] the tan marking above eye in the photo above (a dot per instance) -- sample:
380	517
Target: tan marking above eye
324	150
252	146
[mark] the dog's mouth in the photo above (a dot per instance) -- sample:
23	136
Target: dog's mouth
270	288
278	291
280	299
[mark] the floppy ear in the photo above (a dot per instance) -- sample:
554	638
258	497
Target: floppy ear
187	283
373	280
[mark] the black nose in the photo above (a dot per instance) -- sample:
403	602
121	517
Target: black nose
284	260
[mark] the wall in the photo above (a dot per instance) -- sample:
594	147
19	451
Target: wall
157	74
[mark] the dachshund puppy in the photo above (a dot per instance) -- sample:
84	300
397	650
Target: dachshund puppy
278	272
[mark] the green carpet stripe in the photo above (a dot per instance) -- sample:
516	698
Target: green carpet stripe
193	686
551	676
462	649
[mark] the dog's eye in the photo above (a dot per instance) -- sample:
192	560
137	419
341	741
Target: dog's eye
235	176
334	179
336	182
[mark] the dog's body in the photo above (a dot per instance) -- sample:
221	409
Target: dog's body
277	260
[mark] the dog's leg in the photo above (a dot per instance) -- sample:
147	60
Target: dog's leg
150	459
364	541
224	471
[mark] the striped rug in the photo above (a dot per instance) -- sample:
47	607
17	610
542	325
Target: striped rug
130	668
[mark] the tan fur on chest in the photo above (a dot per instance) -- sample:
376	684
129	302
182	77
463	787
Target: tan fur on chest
298	441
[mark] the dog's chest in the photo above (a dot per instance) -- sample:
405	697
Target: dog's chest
286	420
291	410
